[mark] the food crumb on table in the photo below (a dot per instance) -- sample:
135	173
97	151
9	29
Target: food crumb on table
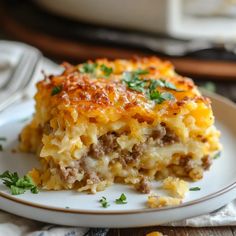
155	233
162	201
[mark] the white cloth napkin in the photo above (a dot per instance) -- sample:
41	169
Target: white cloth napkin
224	216
17	226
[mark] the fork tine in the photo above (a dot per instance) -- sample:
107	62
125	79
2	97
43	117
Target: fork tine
19	92
21	78
16	70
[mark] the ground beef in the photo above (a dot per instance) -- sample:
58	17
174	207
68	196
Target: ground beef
159	132
144	186
206	162
93	177
127	157
69	174
187	163
137	151
47	129
106	144
170	137
96	151
184	160
162	135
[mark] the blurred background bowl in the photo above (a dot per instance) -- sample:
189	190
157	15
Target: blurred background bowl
186	19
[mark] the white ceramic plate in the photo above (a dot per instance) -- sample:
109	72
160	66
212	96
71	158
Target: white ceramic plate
218	186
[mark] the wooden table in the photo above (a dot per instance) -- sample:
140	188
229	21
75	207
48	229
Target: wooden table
177	231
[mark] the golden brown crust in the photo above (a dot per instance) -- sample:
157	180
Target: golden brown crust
100	94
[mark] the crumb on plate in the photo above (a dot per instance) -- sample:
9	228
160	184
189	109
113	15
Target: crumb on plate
162	201
175	186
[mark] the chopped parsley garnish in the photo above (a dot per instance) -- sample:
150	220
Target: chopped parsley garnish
3	139
154	84
89	68
134	82
67	207
158	97
104	202
106	70
121	199
56	90
1	148
164	84
18	185
140	72
217	155
194	189
149	87
169	85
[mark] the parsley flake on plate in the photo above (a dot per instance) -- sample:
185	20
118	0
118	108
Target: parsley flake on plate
18	185
195	189
56	90
24	120
1	147
104	202
217	155
121	200
3	139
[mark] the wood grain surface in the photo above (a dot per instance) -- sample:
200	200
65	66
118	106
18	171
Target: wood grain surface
175	231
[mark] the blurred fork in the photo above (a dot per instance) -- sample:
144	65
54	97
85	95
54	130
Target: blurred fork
20	76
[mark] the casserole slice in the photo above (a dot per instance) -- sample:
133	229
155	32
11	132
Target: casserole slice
127	121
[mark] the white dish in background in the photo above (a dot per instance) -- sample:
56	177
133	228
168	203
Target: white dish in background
212	20
218	187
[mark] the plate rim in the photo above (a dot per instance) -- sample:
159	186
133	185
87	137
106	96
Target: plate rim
226	189
115	212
